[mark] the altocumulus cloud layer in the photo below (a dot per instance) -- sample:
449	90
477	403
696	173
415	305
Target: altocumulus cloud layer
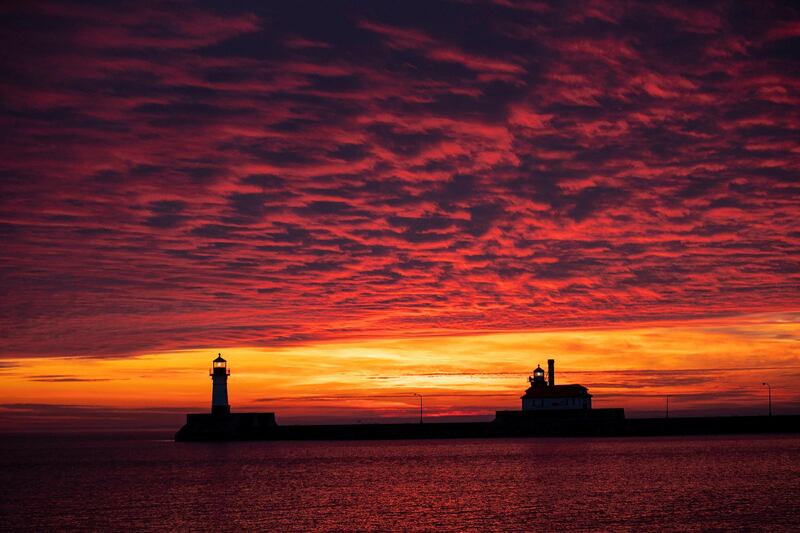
194	174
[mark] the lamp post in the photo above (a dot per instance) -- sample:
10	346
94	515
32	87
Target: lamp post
769	396
420	405
667	416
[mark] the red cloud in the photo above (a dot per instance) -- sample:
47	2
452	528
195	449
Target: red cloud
182	177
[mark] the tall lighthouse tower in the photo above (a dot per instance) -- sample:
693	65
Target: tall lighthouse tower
219	391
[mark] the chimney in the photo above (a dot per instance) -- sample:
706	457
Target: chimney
551	372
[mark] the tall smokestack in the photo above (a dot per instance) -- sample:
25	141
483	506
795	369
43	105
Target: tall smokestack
551	372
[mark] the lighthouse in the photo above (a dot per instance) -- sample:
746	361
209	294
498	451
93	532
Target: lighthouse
545	395
219	390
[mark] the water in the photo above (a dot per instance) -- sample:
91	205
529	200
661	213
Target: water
143	483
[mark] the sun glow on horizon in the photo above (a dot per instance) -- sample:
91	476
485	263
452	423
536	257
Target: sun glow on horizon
704	365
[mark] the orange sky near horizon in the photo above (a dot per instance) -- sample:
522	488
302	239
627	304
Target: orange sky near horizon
710	365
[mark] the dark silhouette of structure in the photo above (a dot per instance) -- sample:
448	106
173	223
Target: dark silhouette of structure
546	404
556	416
221	424
219	389
546	395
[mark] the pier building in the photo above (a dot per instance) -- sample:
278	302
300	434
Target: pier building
544	395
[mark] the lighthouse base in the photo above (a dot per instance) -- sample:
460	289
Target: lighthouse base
228	426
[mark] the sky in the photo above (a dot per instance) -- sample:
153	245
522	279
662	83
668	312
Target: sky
358	201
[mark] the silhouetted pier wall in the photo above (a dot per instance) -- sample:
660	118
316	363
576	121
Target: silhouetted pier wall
594	423
716	425
228	426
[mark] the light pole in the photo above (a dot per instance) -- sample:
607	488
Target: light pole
420	405
769	395
667	406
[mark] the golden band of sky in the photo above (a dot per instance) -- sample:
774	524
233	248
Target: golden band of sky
703	366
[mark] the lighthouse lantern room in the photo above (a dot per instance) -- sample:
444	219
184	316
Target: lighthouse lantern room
219	390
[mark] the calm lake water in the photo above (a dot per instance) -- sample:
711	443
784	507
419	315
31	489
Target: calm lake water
145	483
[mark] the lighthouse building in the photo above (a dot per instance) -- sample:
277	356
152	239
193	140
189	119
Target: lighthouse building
219	373
220	423
545	395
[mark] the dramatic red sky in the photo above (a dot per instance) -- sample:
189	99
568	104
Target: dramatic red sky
357	200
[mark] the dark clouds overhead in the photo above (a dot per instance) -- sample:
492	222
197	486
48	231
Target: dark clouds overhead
193	174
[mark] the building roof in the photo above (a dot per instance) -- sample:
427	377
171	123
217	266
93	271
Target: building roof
219	359
557	391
